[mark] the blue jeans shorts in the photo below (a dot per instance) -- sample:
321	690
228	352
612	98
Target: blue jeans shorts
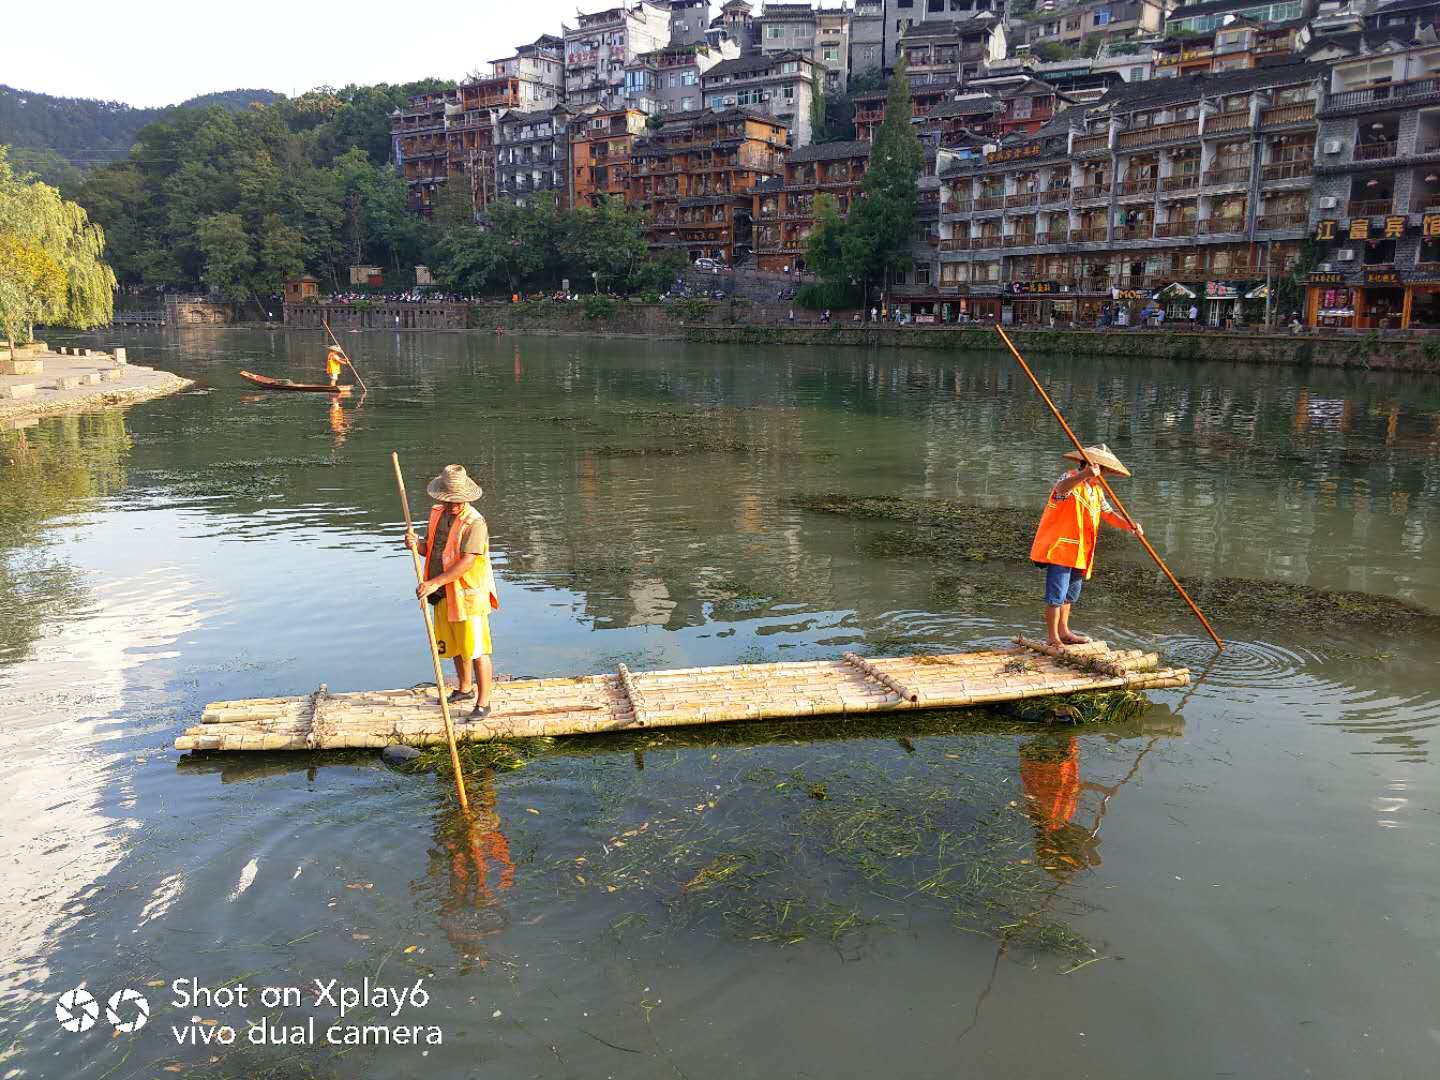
1062	584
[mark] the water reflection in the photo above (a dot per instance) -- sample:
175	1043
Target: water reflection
472	857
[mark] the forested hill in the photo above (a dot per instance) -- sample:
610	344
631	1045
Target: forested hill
87	132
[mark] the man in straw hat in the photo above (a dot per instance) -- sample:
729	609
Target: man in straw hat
459	581
1066	537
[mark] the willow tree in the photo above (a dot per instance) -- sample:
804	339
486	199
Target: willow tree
52	266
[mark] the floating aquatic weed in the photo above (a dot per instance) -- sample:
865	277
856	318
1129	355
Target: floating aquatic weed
957	535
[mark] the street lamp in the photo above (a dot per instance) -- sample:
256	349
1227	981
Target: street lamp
595	276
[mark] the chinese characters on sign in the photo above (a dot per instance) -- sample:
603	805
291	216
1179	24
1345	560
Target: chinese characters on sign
1325	230
1359	229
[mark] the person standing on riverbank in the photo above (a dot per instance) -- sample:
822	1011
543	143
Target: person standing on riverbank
1065	539
459	582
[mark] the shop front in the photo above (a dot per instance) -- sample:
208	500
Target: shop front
1230	304
1029	303
969	309
1379	300
1176	300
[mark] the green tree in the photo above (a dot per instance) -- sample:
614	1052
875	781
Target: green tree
819	117
607	241
53	264
469	259
229	258
824	248
877	236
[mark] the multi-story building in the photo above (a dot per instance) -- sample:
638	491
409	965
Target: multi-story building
737	23
689	20
600	146
540	69
668	80
950	52
1375	204
1238	45
821	33
1173	192
867	38
1205	18
532	155
1028	107
901	16
598	49
694	176
1110	19
784	210
936	104
418	143
783	85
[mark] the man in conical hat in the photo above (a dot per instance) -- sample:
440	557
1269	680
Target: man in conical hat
1067	534
459	582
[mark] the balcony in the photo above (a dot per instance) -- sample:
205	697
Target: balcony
1370	207
1288	114
1089	236
1145	185
1286	170
990	202
1172	229
1054	236
1091	191
1382	96
1292	219
959	206
1020	240
1219	226
1161	133
980	243
1376	151
1181	182
1054	195
1231	121
1024	198
955	243
1090	143
1230	176
1139	231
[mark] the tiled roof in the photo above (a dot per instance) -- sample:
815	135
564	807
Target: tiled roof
748	65
830	151
1157	92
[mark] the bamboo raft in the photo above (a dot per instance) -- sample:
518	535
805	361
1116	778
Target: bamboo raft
628	701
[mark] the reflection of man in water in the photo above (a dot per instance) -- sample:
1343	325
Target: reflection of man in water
339	425
474	858
1050	778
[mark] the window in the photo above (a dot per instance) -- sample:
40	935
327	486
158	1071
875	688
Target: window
689	78
935	5
790	67
774	33
1102	17
831	52
1137	74
922	275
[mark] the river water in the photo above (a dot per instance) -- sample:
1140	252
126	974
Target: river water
1241	882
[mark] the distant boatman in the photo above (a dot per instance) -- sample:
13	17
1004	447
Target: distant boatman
1068	532
335	359
459	582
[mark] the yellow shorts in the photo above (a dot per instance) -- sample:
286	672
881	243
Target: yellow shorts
466	639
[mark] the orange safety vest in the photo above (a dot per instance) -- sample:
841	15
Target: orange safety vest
474	593
1069	528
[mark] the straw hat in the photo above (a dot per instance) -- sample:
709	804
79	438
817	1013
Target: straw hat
1101	456
453	485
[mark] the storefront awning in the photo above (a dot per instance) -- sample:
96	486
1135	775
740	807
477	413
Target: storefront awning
1175	289
1260	292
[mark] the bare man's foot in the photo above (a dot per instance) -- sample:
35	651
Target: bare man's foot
1055	643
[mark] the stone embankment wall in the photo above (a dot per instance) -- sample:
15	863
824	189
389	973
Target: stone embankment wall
1374	352
377	315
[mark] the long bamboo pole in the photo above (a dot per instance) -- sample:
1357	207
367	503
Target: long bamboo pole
440	687
326	323
1114	499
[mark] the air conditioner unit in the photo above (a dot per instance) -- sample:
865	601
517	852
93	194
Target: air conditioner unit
1329	202
1326	268
1332	146
1345	256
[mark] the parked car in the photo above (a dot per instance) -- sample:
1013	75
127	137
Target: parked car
704	264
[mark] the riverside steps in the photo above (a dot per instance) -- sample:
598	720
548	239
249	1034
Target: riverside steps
628	700
39	380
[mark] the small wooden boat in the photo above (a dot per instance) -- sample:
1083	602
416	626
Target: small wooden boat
285	384
626	700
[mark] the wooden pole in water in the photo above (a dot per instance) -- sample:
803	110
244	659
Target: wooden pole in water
1114	499
440	686
326	323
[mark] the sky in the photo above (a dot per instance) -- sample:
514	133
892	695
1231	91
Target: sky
162	53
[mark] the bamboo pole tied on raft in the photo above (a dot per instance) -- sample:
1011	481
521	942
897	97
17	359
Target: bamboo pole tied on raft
1109	492
326	323
440	686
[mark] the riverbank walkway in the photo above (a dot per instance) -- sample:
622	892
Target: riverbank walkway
40	381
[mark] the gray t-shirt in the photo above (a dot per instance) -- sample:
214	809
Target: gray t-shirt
472	543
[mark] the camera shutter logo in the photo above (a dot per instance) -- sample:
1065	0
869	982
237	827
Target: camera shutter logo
76	1010
140	1014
